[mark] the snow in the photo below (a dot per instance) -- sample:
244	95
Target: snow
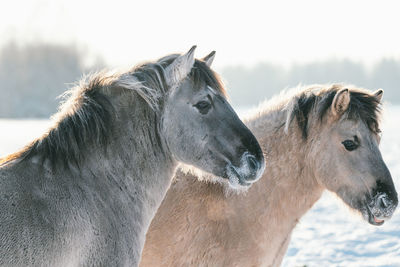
15	134
328	235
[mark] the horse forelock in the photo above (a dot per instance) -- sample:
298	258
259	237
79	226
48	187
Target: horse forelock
317	100
149	81
199	74
202	73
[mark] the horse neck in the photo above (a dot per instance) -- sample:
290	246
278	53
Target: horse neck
287	189
135	158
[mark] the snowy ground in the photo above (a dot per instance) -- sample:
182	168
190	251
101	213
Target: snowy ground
329	235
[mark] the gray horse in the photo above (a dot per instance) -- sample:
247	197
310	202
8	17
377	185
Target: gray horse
85	192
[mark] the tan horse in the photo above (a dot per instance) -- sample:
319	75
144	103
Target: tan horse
317	139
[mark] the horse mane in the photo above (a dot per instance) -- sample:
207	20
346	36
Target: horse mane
151	75
87	115
318	99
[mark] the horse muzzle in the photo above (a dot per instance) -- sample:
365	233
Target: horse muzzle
249	171
380	208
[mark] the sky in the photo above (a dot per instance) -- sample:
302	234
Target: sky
242	32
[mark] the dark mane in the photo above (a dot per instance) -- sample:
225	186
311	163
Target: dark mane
363	106
86	118
202	73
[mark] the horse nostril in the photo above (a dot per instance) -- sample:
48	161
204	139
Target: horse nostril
253	163
383	202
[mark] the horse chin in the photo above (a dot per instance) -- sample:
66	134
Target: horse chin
369	212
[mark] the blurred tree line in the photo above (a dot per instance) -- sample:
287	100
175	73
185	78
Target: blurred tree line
249	86
31	78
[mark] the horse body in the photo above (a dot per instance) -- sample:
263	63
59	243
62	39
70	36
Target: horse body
199	224
84	194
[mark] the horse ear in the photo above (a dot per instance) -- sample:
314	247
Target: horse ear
180	68
341	102
209	58
378	94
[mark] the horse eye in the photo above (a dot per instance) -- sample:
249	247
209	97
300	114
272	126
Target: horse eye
349	145
203	106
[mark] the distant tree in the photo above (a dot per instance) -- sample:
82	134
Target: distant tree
386	75
332	71
31	77
249	86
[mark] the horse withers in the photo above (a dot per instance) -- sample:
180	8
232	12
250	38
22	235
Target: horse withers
85	192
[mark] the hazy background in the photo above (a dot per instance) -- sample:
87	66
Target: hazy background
33	75
262	46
